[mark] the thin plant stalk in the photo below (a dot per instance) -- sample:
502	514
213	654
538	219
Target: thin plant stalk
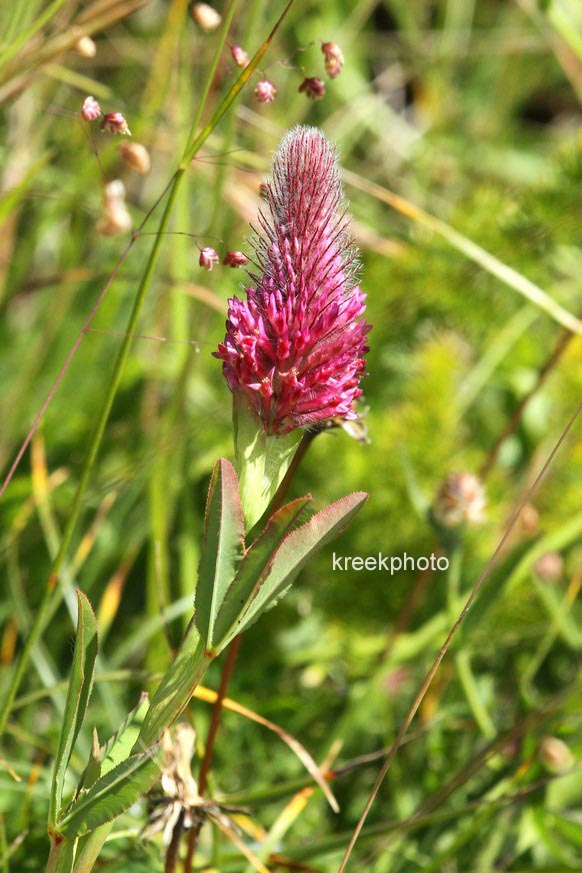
210	740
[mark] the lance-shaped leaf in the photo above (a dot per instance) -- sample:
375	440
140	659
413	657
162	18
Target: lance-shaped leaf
176	688
78	693
222	547
276	570
111	795
254	564
103	758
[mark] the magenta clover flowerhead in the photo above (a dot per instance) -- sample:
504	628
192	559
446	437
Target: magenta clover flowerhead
295	346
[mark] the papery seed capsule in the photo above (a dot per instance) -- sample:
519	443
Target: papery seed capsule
239	55
334	58
90	109
549	567
460	500
86	47
208	257
115	218
114	122
265	91
235	259
556	755
313	88
136	157
205	16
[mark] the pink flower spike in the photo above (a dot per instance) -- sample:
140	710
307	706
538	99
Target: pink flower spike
208	258
313	88
235	259
334	58
239	56
265	91
91	109
295	346
114	122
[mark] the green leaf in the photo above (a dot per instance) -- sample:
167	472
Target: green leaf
77	698
111	795
176	687
261	460
92	771
254	566
120	744
281	569
222	547
104	758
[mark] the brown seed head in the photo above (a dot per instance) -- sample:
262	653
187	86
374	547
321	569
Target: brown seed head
334	58
235	259
136	157
313	88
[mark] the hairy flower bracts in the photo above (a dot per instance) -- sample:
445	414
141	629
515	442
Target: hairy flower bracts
295	347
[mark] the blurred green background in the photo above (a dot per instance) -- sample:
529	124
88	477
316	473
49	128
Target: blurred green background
470	111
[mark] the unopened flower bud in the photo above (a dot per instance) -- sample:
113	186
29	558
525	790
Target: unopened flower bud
313	88
549	567
235	259
90	109
115	218
86	47
460	500
208	258
265	91
334	58
239	56
555	754
205	16
114	122
136	157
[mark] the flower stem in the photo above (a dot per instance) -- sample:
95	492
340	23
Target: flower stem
212	731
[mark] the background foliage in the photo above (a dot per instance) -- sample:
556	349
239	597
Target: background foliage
468	110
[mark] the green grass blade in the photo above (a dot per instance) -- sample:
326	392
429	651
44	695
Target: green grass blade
78	694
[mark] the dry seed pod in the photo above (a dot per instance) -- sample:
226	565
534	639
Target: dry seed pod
549	567
115	218
334	58
136	157
205	17
114	122
460	500
239	56
208	258
313	88
90	109
265	91
555	754
235	259
86	47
